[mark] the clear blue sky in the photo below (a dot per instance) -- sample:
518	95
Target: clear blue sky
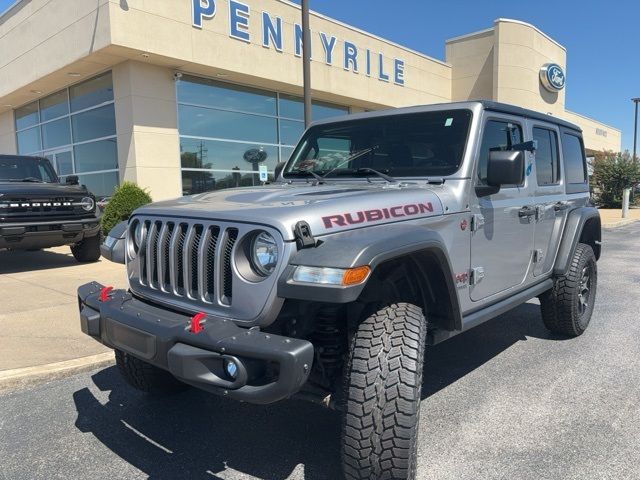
601	37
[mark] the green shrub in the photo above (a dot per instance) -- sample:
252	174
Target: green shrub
126	198
612	173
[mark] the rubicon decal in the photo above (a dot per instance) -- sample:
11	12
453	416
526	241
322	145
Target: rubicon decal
375	215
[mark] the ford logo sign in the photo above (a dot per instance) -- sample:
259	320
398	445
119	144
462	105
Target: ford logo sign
552	77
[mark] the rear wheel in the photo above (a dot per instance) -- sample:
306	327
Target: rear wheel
567	307
382	394
88	250
146	377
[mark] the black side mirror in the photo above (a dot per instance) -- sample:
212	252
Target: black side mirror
72	180
278	170
505	168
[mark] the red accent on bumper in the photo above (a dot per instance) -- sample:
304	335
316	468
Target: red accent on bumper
196	320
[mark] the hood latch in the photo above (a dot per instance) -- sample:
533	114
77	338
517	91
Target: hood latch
304	237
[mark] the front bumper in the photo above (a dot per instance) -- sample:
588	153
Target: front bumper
270	367
44	234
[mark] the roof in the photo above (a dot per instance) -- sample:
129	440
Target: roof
472	105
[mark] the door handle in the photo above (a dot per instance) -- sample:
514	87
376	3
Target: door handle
559	206
527	211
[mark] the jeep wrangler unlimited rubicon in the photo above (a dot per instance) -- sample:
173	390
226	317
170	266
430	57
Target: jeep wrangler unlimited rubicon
384	232
37	211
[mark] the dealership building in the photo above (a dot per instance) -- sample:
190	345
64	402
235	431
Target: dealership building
184	96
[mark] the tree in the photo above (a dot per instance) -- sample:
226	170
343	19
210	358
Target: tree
612	173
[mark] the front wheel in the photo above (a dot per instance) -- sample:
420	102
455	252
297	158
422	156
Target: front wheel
567	307
146	377
382	395
88	250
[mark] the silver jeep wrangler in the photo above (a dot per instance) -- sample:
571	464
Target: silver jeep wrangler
385	232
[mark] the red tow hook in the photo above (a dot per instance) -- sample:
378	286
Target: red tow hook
196	323
105	294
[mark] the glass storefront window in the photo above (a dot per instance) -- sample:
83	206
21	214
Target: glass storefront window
100	184
91	93
29	141
54	106
290	131
97	123
77	143
56	133
27	116
201	91
96	156
223	127
207	122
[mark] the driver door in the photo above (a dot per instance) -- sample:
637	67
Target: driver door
503	231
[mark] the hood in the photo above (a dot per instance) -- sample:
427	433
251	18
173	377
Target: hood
326	208
10	190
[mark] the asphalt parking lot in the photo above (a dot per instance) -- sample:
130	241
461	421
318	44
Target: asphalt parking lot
507	400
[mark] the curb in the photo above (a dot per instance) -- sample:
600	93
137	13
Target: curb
620	223
25	377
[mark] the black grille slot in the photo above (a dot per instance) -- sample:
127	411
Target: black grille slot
166	244
182	232
144	254
210	270
154	254
195	248
227	276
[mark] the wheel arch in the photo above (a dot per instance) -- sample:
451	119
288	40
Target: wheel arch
583	226
419	252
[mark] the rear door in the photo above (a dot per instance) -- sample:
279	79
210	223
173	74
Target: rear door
549	196
502	240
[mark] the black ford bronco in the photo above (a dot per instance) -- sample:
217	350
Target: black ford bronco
37	211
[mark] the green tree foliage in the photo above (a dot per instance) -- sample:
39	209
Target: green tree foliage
612	173
126	198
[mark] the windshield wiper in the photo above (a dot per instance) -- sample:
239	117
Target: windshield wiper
383	176
351	158
319	179
29	179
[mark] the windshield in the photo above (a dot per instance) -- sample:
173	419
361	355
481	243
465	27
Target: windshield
410	145
26	169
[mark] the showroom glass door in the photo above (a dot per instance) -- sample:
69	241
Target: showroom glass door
62	161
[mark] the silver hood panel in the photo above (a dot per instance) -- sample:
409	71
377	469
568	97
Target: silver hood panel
326	208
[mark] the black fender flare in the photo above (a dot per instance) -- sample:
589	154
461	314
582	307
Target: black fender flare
372	247
113	247
576	221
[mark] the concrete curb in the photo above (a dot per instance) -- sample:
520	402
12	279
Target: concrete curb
24	377
621	223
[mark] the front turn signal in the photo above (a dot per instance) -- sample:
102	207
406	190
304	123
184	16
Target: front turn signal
355	276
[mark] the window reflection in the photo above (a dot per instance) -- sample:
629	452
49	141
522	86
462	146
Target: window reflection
226	130
91	93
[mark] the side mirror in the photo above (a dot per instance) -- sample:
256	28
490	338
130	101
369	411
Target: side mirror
278	170
72	180
113	247
505	168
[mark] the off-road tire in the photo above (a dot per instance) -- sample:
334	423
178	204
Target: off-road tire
145	377
563	311
383	386
88	250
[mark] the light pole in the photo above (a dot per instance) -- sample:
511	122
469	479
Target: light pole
635	128
306	61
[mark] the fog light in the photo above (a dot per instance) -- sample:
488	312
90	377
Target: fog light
231	369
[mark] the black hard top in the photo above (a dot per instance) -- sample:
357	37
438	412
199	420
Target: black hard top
524	112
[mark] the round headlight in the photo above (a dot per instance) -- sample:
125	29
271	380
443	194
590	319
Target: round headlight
88	204
264	254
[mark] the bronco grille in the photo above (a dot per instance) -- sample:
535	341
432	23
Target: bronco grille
187	260
45	207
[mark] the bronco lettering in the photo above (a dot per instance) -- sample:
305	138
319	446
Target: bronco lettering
377	214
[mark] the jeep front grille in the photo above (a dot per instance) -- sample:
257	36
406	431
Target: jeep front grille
188	260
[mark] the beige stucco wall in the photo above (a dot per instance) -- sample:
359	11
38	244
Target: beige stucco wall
597	136
147	128
7	133
472	66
